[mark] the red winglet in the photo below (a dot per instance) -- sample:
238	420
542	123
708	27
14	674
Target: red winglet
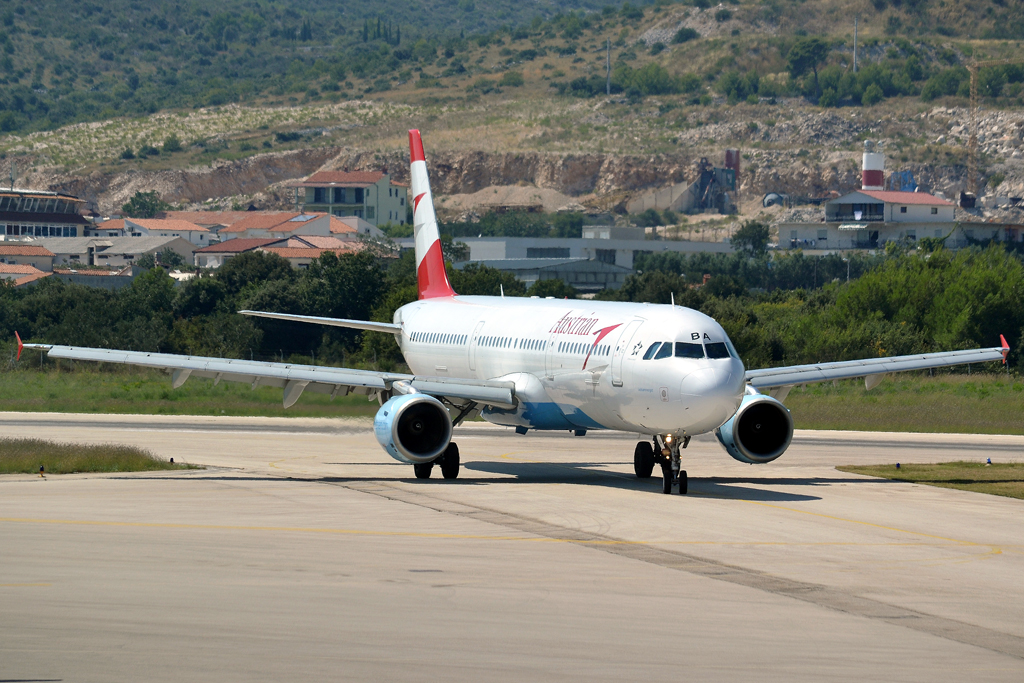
1006	348
20	345
416	146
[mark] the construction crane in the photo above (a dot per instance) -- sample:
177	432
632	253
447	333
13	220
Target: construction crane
972	140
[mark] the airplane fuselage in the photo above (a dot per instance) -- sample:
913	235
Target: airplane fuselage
580	364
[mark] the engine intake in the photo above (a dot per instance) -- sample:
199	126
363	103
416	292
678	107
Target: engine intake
759	432
413	428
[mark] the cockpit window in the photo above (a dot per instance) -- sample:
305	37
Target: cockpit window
651	351
717	350
732	350
665	351
688	350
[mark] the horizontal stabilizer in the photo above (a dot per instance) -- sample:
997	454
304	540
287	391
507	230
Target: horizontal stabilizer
389	328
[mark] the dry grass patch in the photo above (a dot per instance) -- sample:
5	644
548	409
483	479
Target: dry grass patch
26	456
1000	479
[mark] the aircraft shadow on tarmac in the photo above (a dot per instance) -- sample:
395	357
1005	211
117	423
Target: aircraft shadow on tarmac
584	473
590	474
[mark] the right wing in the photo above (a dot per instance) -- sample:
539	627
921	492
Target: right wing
390	328
294	379
781	380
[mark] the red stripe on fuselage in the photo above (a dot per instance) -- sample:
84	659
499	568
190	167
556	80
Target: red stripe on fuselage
431	276
601	334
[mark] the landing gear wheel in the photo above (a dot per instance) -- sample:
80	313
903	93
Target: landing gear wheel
450	462
682	482
422	469
643	460
666	479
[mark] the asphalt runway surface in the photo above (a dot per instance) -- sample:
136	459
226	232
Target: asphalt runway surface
302	552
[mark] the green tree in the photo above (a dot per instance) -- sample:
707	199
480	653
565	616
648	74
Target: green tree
251	269
806	55
553	287
485	281
753	237
872	95
567	224
144	205
511	79
172	144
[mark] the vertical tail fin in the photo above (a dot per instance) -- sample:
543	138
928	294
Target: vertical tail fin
430	273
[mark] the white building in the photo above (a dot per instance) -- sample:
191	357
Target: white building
152	227
370	195
867	219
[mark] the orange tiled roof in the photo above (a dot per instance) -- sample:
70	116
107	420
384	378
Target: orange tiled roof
16	269
340	227
16	249
237	245
114	224
906	197
319	241
38	275
206	217
260	221
291	252
168	224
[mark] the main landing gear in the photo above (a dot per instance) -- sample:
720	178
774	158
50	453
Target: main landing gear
666	454
447	461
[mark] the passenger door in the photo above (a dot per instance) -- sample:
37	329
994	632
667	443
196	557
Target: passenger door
623	349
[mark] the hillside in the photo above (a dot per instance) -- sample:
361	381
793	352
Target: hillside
160	98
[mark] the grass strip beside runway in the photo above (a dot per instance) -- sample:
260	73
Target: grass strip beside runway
26	456
1001	479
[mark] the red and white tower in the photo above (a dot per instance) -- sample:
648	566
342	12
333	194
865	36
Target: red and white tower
872	176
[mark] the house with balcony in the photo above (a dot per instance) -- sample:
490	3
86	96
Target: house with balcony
867	219
370	195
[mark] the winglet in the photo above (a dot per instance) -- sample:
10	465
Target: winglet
20	345
430	272
1006	348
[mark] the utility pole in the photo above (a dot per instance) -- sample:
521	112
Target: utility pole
608	67
855	44
13	172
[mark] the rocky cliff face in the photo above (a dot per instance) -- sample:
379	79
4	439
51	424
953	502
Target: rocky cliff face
795	172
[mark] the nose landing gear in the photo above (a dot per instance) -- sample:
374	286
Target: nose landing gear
671	465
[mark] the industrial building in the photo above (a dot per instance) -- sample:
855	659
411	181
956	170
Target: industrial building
27	214
584	275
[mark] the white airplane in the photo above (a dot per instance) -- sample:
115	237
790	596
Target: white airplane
664	372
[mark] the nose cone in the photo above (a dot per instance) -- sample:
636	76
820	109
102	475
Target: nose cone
712	394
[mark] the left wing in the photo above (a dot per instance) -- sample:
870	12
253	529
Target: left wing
871	369
294	378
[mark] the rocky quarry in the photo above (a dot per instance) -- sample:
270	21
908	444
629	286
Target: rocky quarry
808	153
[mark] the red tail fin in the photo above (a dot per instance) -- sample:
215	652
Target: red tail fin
20	345
430	272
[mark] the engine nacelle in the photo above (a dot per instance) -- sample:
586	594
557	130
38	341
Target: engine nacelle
413	428
760	431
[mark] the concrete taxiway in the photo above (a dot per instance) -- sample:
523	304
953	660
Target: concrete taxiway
303	552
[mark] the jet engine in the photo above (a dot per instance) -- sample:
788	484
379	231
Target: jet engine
413	428
760	431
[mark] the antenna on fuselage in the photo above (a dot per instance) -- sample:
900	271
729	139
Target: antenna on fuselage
673	295
502	288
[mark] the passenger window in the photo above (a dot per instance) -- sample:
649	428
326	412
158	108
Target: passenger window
717	350
664	352
651	351
688	350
